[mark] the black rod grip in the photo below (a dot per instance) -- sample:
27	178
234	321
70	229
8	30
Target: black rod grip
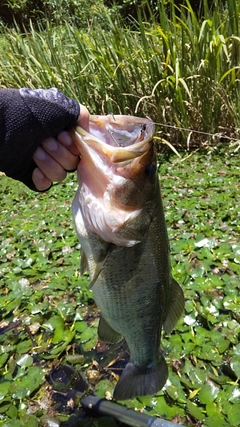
123	414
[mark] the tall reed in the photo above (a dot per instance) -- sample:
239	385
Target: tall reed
176	68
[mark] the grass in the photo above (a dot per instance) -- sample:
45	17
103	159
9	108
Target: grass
181	71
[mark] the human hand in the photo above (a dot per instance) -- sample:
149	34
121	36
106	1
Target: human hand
55	157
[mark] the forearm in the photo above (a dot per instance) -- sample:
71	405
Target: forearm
27	117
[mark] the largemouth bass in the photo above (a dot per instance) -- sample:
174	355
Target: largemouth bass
120	224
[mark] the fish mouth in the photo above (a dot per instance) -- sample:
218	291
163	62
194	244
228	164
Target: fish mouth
121	138
114	187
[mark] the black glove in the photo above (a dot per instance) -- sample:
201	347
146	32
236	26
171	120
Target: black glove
27	117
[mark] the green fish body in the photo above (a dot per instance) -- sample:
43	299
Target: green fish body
120	223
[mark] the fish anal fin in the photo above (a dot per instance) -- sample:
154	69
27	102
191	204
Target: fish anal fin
136	381
107	333
176	307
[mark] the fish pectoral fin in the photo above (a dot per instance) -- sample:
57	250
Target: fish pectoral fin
84	263
98	270
100	264
106	333
176	307
136	381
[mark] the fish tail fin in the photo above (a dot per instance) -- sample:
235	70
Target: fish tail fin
176	307
136	381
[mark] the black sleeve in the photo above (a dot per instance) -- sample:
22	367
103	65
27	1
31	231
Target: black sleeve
27	117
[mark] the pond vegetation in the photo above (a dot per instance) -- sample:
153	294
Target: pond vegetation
49	317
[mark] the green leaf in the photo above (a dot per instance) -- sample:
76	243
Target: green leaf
12	412
24	346
4	406
80	326
12	305
67	338
216	421
164	410
103	387
235	365
208	393
25	360
195	411
234	414
28	383
54	322
4	387
12	423
3	358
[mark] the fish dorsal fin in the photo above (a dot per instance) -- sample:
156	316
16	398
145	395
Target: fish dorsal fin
106	333
176	307
84	263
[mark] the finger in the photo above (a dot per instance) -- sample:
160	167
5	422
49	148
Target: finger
40	181
49	166
61	154
83	119
66	140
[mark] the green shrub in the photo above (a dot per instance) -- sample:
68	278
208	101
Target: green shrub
80	12
130	8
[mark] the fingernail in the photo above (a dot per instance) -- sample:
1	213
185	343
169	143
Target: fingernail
38	174
51	144
40	154
65	138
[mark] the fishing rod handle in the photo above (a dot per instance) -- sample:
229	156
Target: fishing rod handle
123	414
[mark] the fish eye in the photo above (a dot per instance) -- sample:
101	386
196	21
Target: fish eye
150	169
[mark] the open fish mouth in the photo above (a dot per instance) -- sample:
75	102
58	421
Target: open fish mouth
119	137
113	174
